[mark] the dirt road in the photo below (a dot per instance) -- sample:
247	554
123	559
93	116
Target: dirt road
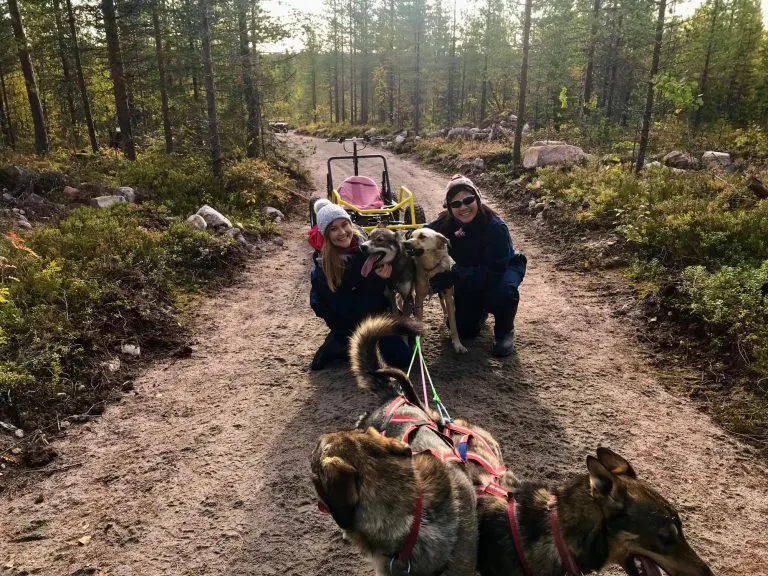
205	470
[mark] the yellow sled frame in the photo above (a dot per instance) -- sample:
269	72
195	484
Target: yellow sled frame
404	200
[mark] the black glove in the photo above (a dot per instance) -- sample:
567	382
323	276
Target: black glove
442	281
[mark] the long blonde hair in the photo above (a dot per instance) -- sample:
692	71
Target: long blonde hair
331	260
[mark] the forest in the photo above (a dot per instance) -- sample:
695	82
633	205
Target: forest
175	99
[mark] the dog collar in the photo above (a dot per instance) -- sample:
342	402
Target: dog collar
566	557
410	543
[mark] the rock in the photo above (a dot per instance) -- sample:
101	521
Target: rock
552	154
273	214
399	140
654	164
23	223
436	133
7	426
712	159
680	160
734	168
214	218
35	198
112	365
19	433
478	163
278	241
547	143
105	201
8	197
71	193
131	349
126	192
459	133
537	208
196	221
38	454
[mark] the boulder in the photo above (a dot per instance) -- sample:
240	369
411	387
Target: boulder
459	133
437	133
712	159
654	164
71	193
196	221
214	218
553	154
126	192
680	160
273	214
547	143
478	164
105	201
399	140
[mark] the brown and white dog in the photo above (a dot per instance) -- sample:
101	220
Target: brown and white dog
429	250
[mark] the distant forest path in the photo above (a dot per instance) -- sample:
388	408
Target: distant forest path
205	471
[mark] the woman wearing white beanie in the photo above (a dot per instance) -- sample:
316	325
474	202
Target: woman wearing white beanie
340	294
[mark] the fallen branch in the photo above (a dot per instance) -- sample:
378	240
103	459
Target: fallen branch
757	186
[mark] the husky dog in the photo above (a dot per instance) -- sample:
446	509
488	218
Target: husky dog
429	250
402	496
384	247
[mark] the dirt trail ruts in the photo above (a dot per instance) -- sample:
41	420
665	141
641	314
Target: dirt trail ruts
205	470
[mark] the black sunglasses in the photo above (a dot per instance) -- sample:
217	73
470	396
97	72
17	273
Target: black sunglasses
466	202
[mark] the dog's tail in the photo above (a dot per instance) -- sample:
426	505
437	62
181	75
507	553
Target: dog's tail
369	369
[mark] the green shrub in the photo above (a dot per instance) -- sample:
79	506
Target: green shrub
734	303
70	295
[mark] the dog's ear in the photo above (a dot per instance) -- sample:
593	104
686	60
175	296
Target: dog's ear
444	240
615	463
391	445
339	490
606	488
381	224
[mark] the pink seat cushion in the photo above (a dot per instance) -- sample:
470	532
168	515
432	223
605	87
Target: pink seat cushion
361	191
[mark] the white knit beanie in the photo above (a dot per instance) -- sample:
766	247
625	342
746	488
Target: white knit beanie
327	212
461	180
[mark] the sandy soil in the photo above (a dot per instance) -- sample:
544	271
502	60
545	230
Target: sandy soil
205	469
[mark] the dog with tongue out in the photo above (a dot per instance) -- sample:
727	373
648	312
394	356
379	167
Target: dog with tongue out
387	257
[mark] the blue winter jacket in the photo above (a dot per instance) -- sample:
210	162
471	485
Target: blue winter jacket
482	254
355	299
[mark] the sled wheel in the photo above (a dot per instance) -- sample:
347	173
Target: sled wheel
421	217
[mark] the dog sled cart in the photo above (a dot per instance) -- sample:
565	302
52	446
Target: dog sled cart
368	202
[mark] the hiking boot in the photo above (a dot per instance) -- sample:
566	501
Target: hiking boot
504	346
330	350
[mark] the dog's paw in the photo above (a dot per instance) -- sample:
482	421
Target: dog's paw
459	348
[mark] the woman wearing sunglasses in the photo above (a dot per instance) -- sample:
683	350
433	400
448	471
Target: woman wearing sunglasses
488	269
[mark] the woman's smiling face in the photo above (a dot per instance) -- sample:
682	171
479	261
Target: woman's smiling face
340	233
465	213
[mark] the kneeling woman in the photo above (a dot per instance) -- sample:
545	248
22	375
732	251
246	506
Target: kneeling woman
488	269
341	295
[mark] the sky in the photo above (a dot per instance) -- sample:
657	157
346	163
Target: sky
284	10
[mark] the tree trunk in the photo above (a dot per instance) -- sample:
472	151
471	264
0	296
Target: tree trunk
118	79
484	75
417	84
591	59
391	71
516	158
705	73
253	145
6	118
651	88
163	76
36	107
210	94
450	104
67	75
81	80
